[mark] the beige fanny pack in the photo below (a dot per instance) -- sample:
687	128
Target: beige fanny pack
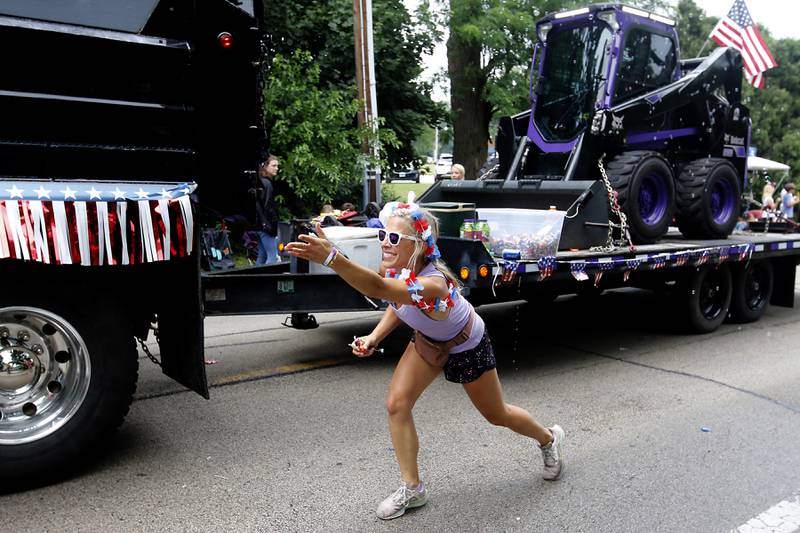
436	353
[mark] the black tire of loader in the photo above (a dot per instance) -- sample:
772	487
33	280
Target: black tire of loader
752	289
705	312
626	173
112	351
693	198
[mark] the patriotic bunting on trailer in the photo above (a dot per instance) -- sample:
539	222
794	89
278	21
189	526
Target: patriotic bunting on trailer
547	264
593	268
578	270
87	223
723	255
602	266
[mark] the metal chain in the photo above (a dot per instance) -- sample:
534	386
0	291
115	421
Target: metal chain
146	350
613	204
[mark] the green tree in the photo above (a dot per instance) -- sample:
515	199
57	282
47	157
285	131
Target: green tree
694	27
325	29
313	132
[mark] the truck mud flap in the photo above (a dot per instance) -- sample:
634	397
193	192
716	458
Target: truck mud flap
180	324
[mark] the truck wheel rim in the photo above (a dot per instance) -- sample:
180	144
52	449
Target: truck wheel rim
712	296
653	199
44	374
722	201
755	287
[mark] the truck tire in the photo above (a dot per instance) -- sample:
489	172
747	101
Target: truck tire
645	186
752	290
69	374
708	199
707	298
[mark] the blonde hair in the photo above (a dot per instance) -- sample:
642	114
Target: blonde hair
460	168
420	245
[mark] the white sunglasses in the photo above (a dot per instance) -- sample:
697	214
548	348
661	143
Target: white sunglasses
394	237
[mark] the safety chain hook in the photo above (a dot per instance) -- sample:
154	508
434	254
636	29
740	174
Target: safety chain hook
146	350
613	204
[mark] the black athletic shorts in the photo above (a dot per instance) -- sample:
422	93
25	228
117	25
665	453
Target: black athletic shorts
467	366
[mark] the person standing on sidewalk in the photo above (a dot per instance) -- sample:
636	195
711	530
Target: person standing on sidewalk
267	213
423	293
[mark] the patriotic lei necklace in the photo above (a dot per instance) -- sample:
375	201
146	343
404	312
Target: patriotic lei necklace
415	287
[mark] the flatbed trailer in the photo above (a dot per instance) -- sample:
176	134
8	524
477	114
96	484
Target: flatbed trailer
733	278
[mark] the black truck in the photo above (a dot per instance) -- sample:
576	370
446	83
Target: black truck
116	113
126	120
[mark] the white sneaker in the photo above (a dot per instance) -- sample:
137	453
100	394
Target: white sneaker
553	454
403	498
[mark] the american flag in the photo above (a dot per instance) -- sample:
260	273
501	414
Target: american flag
737	30
87	223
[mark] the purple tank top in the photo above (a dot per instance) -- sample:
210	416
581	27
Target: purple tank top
443	330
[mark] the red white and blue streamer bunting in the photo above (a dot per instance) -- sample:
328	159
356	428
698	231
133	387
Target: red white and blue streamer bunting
95	223
602	266
705	256
547	264
578	270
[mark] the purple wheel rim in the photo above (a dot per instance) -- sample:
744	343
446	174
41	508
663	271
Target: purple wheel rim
722	201
653	199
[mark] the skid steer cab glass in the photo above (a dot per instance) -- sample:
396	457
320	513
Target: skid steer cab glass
573	74
648	62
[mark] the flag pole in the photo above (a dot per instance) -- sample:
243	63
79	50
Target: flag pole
702	48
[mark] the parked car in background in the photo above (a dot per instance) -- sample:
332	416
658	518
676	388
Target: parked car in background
403	173
444	166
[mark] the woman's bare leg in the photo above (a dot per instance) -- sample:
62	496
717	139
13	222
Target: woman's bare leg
487	396
411	377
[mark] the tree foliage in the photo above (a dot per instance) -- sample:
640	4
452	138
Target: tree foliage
313	132
775	111
324	28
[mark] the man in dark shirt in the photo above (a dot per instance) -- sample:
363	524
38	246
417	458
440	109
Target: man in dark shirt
267	213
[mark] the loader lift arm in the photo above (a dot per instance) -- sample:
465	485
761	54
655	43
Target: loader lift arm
721	69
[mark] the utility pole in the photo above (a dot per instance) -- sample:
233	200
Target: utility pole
365	80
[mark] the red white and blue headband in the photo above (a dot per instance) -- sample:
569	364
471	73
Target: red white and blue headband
418	219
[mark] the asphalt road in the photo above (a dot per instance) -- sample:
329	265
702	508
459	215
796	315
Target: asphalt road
665	431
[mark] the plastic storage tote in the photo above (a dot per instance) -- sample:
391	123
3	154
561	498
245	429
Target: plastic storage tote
359	244
451	215
534	232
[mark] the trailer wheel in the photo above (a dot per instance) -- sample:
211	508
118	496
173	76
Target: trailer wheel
67	382
708	297
646	191
708	199
752	290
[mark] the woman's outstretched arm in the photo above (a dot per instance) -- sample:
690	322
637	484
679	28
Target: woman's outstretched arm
365	281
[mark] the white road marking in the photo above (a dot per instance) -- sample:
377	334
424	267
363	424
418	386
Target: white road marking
783	517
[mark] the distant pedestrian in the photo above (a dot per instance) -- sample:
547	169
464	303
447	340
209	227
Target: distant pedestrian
767	200
449	336
788	201
267	212
457	172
